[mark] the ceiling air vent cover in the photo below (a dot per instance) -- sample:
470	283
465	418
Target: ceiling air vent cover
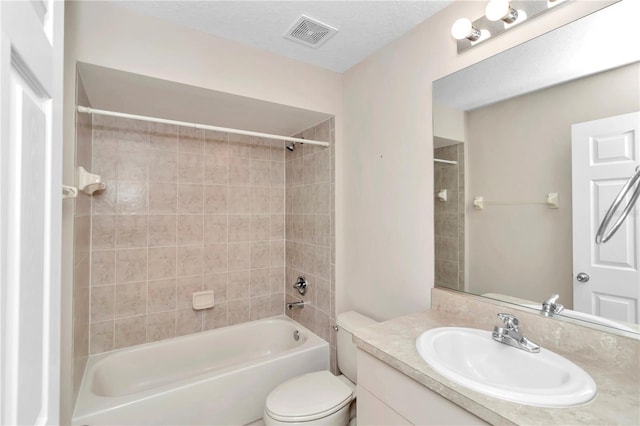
310	32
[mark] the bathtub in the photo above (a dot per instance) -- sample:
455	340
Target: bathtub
218	377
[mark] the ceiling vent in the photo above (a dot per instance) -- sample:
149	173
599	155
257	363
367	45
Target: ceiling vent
310	32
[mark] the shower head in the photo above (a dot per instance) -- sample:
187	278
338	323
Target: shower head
292	146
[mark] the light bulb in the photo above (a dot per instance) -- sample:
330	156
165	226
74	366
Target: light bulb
497	10
463	28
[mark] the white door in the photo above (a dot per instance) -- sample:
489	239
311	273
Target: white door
605	154
30	210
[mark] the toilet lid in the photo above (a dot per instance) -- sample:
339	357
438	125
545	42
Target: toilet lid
308	397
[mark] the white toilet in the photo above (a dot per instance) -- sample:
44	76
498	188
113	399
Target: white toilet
321	398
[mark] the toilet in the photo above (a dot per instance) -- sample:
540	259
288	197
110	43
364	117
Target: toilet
320	398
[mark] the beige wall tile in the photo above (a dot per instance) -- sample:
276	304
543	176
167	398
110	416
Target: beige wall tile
277	254
276	227
186	287
163	166
260	307
105	158
101	337
215	228
163	198
162	230
238	311
133	165
103	267
276	300
216	199
161	295
260	173
239	256
131	265
131	299
260	254
239	146
260	282
191	140
104	202
163	137
309	228
239	172
215	317
217	283
260	200
260	227
132	197
190	229
277	280
190	168
260	148
216	143
216	170
189	260
239	200
130	331
102	303
103	234
161	263
161	326
188	321
278	151
240	227
190	199
277	200
239	285
131	231
215	258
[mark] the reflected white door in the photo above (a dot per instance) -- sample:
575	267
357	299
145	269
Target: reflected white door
605	154
30	210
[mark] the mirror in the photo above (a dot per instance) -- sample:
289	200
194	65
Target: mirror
515	196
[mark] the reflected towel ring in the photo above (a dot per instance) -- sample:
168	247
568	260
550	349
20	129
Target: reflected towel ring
601	236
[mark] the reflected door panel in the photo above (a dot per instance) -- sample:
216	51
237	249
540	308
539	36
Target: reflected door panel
605	154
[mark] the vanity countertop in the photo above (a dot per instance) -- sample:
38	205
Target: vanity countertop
393	342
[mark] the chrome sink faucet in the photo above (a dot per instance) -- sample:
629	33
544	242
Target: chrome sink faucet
550	307
510	334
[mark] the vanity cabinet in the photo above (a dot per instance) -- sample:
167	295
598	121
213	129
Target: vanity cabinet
388	397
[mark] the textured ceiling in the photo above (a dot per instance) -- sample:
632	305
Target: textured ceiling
364	26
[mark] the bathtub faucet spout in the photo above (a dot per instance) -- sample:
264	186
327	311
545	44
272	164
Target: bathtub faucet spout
292	305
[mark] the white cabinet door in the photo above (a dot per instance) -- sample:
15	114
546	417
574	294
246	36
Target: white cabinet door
605	154
31	58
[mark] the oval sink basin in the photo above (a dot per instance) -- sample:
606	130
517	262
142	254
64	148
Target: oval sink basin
471	358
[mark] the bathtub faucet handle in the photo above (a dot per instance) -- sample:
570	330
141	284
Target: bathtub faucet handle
301	285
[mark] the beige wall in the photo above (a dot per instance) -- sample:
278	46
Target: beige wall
385	238
523	158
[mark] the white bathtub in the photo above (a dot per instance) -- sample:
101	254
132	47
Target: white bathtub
219	377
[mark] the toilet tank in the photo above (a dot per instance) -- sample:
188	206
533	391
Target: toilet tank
348	323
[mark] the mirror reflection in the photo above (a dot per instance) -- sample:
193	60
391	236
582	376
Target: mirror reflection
521	184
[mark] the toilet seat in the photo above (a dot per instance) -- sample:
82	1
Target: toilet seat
308	397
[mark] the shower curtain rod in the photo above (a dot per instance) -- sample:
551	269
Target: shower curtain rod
437	160
88	110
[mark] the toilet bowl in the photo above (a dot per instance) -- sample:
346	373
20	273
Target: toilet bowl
320	398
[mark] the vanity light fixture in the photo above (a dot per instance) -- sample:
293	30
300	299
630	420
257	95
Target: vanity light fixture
497	10
463	28
499	17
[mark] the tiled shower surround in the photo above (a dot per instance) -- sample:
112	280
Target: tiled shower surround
184	210
449	218
310	226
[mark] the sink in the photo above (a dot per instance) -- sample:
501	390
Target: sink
471	358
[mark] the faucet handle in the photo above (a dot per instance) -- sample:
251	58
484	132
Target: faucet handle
550	307
510	321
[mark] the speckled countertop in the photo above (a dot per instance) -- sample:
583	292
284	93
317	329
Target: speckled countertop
617	400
